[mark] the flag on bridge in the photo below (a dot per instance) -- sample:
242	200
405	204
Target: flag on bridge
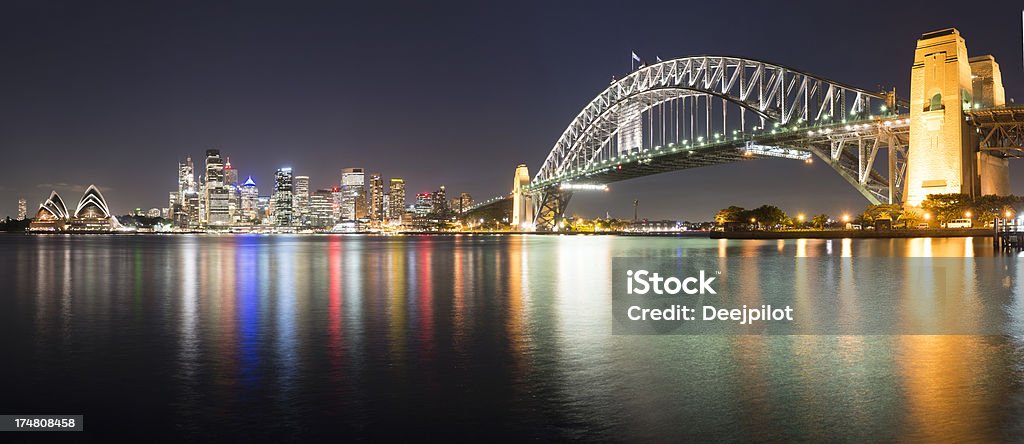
632	62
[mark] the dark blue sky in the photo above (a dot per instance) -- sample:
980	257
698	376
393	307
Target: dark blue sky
436	92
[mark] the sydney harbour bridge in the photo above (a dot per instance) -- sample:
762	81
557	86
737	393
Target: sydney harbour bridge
955	133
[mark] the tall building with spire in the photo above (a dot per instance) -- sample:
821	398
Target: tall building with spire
230	173
22	209
249	202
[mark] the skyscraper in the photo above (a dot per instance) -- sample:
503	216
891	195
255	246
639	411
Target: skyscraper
353	186
173	200
300	200
376	199
218	212
233	192
320	208
22	209
440	201
424	204
186	178
250	196
283	183
336	201
230	173
396	200
177	201
465	201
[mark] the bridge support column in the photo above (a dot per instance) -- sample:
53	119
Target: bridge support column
993	167
940	88
944	153
522	201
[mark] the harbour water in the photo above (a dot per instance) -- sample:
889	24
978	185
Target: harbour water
276	338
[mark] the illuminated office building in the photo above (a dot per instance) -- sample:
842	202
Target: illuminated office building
217	197
353	193
424	204
283	199
321	208
396	200
376	211
300	200
249	196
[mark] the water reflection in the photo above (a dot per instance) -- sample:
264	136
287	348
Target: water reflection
349	334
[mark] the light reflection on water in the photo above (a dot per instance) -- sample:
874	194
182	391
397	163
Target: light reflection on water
273	337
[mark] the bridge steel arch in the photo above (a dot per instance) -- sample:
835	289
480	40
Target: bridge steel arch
787	109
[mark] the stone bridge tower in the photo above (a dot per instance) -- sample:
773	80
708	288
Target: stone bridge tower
522	203
944	155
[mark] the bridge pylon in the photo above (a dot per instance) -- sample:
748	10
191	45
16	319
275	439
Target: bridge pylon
522	200
944	152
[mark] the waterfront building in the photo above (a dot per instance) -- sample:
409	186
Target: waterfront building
22	209
376	212
336	202
396	200
91	214
283	199
52	215
352	187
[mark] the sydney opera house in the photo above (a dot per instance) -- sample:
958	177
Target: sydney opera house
91	214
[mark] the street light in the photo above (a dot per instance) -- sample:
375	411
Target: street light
927	216
967	214
1009	214
800	217
846	218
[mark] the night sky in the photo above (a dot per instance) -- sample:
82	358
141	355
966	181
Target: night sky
436	92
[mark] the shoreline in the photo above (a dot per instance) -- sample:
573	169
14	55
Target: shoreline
854	234
730	235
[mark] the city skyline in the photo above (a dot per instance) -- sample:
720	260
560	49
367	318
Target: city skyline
247	93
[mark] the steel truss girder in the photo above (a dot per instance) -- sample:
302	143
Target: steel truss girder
853	149
1000	129
772	92
551	208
